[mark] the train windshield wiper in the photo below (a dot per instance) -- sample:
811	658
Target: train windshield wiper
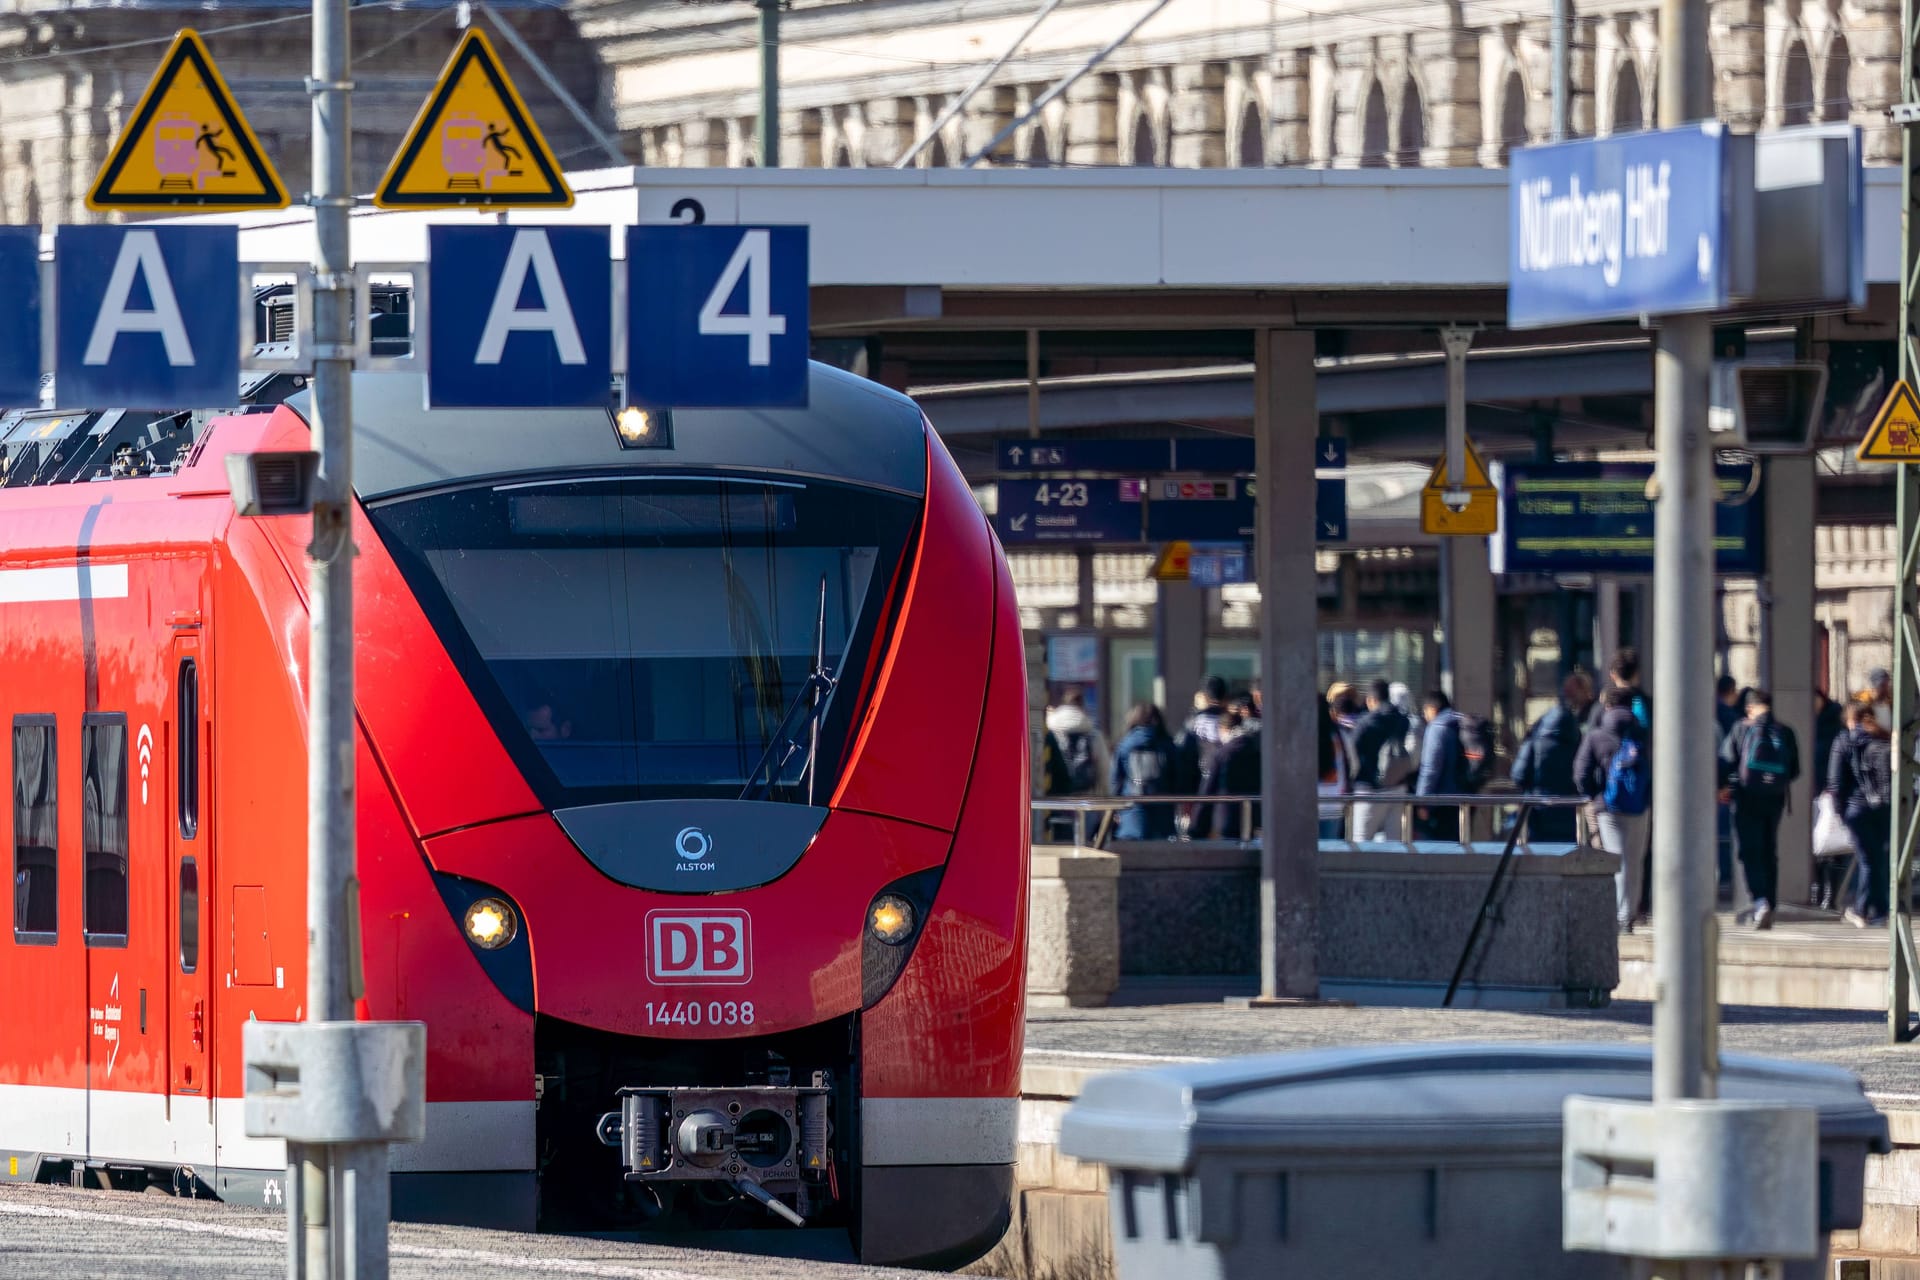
812	699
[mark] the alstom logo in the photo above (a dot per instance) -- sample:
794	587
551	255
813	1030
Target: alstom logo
713	947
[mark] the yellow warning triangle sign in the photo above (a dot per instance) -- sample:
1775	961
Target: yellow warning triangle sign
473	145
1895	433
1477	477
186	146
1174	563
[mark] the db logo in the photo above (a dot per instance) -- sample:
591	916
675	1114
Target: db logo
713	947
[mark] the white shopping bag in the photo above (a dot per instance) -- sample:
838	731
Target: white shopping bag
1831	839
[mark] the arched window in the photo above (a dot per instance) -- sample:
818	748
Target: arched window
1143	149
842	158
1373	128
1252	150
1627	116
1039	146
1796	86
1412	137
1835	101
1513	114
936	153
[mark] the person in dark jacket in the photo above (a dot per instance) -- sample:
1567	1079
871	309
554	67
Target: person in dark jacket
1758	762
1829	727
1544	764
1728	711
1443	769
1860	780
1235	770
1622	834
1624	673
1381	763
1143	765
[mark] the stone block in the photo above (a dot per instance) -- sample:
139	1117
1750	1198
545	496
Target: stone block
1078	1175
1890	1228
1073	936
1034	1166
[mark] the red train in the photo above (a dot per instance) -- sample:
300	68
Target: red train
692	810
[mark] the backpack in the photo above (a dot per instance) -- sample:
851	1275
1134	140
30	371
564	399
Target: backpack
1080	770
1874	772
1628	789
1764	771
1395	763
1476	744
1055	779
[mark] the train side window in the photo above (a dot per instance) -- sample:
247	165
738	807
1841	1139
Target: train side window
36	840
103	828
187	715
189	915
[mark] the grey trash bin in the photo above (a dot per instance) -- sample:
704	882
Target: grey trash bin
1431	1161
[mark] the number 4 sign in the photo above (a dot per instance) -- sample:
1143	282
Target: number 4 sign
717	316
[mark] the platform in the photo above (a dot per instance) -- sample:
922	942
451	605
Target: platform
1808	960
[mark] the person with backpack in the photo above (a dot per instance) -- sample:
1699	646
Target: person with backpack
1758	762
1624	673
1443	769
1860	780
1143	766
1193	751
1382	763
1083	749
1544	764
1612	769
1234	770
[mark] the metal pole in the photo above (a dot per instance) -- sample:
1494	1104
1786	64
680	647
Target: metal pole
330	744
979	82
769	82
1905	814
1685	1057
1557	50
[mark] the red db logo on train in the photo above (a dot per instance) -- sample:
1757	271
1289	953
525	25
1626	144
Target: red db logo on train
711	947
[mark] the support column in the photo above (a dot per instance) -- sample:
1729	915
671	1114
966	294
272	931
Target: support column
1466	612
1092	128
1285	420
986	114
1789	673
1450	61
1292	97
1197	112
1179	648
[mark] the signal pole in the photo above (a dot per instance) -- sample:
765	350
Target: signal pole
1905	815
769	82
1686	1016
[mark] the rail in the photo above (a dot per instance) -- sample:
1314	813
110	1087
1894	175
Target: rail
1464	805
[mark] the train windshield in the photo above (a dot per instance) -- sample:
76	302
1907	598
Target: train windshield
648	638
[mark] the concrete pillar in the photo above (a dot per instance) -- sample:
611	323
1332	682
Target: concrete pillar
1449	63
1353	75
1789	671
1873	81
1292	100
1179	648
800	139
1466	612
987	113
1737	31
1091	125
889	130
1197	116
703	144
1285	421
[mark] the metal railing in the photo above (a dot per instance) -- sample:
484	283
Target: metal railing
1401	807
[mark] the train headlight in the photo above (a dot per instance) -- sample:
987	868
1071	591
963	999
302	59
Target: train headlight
891	919
491	924
637	428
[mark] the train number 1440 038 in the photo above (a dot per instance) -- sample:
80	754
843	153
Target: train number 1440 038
692	1013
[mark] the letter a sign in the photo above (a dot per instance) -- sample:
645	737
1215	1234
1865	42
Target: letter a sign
186	147
473	145
522	317
148	316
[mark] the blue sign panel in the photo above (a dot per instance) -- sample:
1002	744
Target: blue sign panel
1613	228
148	316
1330	453
1330	510
522	317
1581	517
1065	511
1219	455
19	318
717	316
1199	510
1220	566
1084	455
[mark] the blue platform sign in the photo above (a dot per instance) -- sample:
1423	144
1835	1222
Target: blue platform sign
149	317
1069	511
1330	510
1614	228
1330	453
1219	565
717	316
1084	455
20	317
522	317
1198	510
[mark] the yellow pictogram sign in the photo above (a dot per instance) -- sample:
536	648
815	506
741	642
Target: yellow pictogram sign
186	146
1174	563
473	145
1895	433
1481	515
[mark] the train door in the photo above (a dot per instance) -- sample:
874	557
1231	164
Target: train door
190	954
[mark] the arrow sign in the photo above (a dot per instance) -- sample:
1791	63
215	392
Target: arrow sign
1016	453
1330	510
1330	452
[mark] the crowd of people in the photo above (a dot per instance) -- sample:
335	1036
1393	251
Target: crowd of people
1374	742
